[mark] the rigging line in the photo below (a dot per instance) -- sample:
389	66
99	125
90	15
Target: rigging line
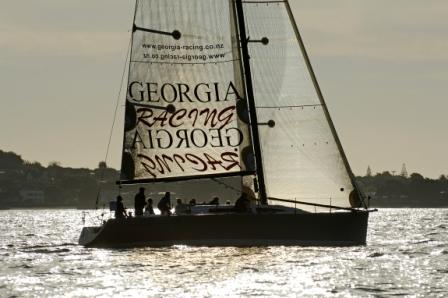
117	103
227	185
113	120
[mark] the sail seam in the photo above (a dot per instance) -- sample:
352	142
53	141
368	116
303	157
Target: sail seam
267	1
226	185
290	106
183	63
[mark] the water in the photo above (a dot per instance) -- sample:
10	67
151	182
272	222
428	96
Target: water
406	254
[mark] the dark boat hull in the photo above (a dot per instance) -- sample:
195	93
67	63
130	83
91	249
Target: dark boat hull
308	229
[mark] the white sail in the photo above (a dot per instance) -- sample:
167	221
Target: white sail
301	157
185	55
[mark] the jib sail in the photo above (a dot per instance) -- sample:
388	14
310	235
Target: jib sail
302	157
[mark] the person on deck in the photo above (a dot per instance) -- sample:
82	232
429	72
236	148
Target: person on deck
164	204
242	205
182	208
148	208
215	201
120	211
139	202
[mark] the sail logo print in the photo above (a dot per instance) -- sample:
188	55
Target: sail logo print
185	110
183	53
200	136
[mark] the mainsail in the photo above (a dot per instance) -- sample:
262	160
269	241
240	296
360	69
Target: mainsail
186	116
302	157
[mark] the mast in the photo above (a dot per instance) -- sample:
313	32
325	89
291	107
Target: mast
251	101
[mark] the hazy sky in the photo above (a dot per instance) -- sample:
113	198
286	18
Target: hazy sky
382	66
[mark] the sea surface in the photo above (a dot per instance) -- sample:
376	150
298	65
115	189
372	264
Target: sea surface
406	255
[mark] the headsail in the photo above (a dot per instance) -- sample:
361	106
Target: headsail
186	116
302	157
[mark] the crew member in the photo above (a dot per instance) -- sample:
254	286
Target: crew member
139	202
165	204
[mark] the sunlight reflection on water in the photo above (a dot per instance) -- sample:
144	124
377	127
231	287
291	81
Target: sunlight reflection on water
407	254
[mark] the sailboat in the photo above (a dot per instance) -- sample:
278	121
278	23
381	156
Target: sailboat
225	88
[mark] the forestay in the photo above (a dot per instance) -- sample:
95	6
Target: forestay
185	55
301	157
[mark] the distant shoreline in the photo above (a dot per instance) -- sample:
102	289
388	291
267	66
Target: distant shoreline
29	185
